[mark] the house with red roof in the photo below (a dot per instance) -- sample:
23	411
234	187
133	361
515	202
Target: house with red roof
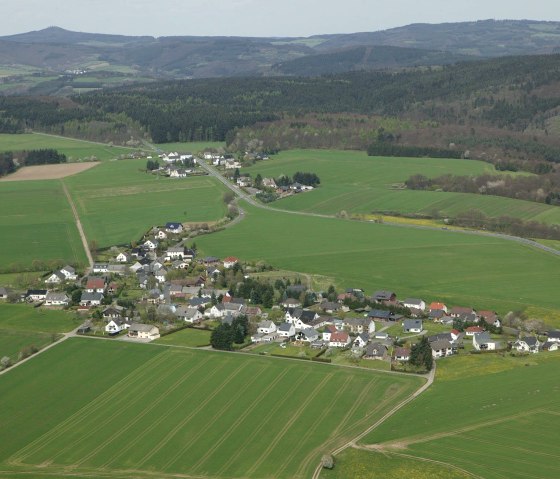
472	330
230	262
95	285
435	306
340	339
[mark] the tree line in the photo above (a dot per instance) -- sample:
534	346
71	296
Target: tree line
10	161
539	188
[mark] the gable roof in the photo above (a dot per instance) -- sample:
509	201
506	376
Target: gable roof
376	349
412	323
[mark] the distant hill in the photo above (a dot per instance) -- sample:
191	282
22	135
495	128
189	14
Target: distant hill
366	58
486	38
141	58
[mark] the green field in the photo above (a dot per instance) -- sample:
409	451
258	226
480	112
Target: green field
73	149
492	422
117	201
22	326
359	464
190	337
460	269
357	183
127	410
37	224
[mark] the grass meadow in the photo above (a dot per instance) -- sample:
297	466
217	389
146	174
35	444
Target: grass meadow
74	149
190	337
22	325
36	223
357	183
492	416
128	410
117	201
460	269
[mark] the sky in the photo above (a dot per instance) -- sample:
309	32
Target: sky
268	18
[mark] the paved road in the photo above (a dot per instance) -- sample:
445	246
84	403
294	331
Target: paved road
244	196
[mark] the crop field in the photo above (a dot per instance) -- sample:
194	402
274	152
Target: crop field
72	148
127	410
460	269
191	337
357	183
491	422
117	202
37	224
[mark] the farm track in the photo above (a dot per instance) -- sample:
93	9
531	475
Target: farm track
249	199
78	225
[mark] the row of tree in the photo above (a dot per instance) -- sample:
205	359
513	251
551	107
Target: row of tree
542	189
304	178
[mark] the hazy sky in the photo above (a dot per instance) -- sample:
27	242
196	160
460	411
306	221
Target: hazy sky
256	17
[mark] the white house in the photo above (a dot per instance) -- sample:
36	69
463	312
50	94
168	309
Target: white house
528	344
554	336
414	303
143	331
56	299
117	325
173	227
230	262
161	235
340	339
91	299
100	267
441	349
309	335
69	272
286	330
189	315
483	342
151	244
266	327
361	340
401	354
55	278
175	252
36	294
412	326
123	258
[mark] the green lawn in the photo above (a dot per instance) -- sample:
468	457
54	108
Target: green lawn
495	418
12	342
357	183
129	410
72	148
118	202
36	223
460	269
190	337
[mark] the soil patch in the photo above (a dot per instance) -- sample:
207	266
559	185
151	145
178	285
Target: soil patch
49	172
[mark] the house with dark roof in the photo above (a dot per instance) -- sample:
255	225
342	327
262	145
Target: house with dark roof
308	335
91	299
299	317
286	330
483	342
441	349
554	336
173	227
115	326
361	340
528	344
385	297
376	351
412	326
57	299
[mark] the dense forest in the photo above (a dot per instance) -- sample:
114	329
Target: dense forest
501	108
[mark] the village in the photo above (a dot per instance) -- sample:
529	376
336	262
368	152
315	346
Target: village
159	286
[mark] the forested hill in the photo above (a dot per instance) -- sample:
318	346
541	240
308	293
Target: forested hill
512	93
513	100
55	50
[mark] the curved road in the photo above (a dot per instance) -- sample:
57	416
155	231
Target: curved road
249	199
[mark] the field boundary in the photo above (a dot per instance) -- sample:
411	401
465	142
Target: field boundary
78	225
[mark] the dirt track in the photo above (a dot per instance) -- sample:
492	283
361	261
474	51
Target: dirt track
49	172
